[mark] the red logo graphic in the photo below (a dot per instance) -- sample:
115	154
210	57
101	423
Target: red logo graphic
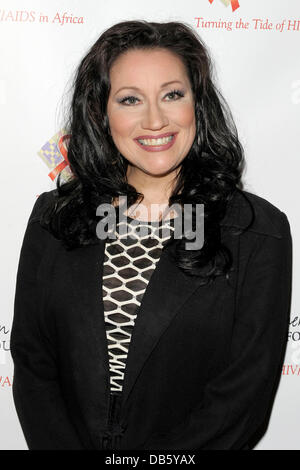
63	150
55	154
234	3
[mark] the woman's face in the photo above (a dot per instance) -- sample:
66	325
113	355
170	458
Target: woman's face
151	96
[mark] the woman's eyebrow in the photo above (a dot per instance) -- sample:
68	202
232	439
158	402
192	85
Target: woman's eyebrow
137	89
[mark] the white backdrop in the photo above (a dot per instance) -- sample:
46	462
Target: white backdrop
258	72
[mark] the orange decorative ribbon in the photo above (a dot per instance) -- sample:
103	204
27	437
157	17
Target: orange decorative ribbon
64	153
234	3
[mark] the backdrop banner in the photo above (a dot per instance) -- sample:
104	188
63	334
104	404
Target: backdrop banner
254	45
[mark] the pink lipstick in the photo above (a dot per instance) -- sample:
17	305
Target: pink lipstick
159	147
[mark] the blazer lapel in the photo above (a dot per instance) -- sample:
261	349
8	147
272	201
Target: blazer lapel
166	292
85	269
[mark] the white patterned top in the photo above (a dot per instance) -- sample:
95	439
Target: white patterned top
129	263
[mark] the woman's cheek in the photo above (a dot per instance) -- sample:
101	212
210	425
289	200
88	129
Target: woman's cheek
184	115
123	125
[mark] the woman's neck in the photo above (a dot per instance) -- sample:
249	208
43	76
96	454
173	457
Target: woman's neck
156	192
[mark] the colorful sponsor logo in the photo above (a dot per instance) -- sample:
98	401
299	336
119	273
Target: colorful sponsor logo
54	153
234	3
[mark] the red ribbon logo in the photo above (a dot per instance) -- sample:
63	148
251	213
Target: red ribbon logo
63	150
234	3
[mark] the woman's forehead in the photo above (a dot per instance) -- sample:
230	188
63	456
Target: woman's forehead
142	66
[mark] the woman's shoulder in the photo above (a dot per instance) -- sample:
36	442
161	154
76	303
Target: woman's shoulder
268	219
40	205
37	239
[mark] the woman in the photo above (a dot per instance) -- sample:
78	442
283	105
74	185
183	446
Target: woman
120	346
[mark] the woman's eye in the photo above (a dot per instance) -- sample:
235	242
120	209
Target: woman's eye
132	100
128	100
175	95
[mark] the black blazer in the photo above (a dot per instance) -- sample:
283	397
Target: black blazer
204	361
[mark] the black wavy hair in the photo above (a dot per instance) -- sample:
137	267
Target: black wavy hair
210	173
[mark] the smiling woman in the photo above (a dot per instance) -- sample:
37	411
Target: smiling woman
154	118
140	342
140	82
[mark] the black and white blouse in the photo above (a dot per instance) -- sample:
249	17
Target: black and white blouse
129	262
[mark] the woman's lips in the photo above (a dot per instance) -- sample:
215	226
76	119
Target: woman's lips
157	148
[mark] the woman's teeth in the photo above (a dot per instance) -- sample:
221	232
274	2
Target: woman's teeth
162	141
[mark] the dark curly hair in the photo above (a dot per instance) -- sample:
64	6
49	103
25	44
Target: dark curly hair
210	173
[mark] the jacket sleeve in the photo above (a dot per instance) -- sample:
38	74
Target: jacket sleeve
237	401
36	390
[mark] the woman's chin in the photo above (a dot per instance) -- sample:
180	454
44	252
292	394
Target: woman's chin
158	169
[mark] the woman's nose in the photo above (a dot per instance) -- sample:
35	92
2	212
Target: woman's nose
154	117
